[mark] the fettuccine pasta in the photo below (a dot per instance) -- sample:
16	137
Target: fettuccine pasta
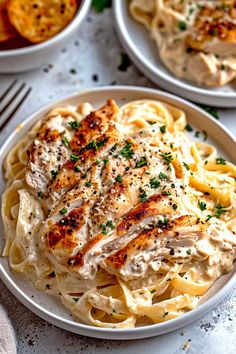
118	213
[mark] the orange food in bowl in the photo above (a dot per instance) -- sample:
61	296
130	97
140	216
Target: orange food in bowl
40	20
7	31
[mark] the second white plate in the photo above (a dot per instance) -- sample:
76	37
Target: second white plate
143	52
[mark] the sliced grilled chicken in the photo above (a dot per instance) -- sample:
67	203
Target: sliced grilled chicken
215	28
172	241
60	136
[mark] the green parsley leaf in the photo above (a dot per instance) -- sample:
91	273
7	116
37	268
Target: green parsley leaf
142	195
188	128
95	145
63	211
74	124
186	166
220	161
124	62
163	129
100	5
202	205
174	206
110	225
162	176
182	25
152	122
76	299
154	183
74	158
65	141
166	193
142	162
165	314
167	156
77	169
106	160
119	179
40	195
88	184
162	223
189	251
54	173
220	209
153	291
103	229
127	151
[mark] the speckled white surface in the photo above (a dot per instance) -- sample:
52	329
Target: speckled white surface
94	56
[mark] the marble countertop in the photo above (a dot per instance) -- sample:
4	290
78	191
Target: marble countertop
92	59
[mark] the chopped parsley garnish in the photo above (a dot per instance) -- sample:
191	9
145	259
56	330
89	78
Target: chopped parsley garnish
106	160
95	145
113	149
222	67
127	151
143	195
100	5
165	314
186	166
119	179
142	162
88	184
220	161
65	141
182	25
110	225
172	185
98	162
209	217
74	158
189	251
77	169
197	134
174	206
76	299
63	211
211	110
154	183
166	193
163	222
188	128
153	291
104	227
167	156
220	209
162	176
54	173
124	62
74	125
202	205
163	129
152	122
40	195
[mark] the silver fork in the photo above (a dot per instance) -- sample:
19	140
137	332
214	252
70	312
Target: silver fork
11	100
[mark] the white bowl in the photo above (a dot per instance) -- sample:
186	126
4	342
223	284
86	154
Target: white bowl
27	58
143	52
50	308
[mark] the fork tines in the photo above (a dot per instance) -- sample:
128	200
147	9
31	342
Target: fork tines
10	101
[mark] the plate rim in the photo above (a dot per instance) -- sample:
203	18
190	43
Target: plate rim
154	73
110	333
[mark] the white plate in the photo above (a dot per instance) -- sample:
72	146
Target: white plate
50	308
143	52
